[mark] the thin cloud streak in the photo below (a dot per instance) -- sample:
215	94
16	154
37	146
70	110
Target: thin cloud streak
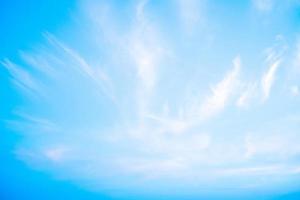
268	79
23	79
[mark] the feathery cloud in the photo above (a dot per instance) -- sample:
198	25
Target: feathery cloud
268	79
221	92
23	79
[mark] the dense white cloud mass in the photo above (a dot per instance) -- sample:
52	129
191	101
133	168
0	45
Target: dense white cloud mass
128	106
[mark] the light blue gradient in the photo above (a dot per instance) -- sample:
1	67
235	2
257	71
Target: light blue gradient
140	99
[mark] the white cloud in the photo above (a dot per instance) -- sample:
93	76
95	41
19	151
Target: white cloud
249	92
274	57
275	146
221	92
147	50
39	63
36	124
145	47
23	79
140	11
258	170
191	13
176	126
146	58
263	5
93	73
268	79
130	138
153	168
56	154
294	90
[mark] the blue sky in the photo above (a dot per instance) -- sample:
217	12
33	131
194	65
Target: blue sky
148	99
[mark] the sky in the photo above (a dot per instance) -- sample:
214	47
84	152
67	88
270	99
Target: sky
149	99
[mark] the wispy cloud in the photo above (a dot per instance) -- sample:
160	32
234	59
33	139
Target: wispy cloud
274	56
56	154
39	63
263	5
23	79
37	125
128	113
258	170
250	91
191	13
146	50
268	79
221	92
153	168
93	73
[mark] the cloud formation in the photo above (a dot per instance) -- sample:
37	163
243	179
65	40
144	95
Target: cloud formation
117	110
263	5
221	92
